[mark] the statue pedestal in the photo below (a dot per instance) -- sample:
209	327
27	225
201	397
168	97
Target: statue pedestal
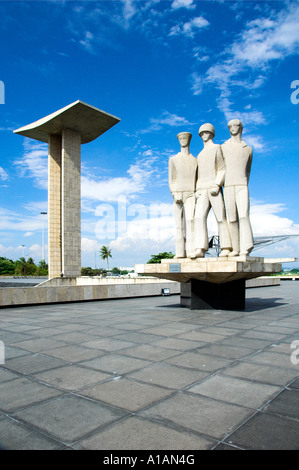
213	283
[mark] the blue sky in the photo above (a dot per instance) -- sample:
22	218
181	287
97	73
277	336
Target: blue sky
162	67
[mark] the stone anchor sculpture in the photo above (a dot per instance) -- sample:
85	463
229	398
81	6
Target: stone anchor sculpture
237	158
210	178
182	178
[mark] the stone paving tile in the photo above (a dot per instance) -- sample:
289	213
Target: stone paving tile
115	364
150	352
286	404
22	328
17	436
126	394
39	344
272	358
71	377
139	434
266	432
202	336
256	334
61	418
164	330
197	360
13	338
295	384
221	330
73	353
32	363
209	417
72	337
6	375
11	352
46	331
236	391
262	373
226	351
167	375
180	344
107	344
22	392
242	342
138	337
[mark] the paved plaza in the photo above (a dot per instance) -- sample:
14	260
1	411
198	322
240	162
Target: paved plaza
147	374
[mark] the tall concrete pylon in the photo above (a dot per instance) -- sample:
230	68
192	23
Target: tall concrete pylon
64	131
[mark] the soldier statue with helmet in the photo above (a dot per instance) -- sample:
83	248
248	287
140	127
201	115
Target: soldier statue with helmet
208	194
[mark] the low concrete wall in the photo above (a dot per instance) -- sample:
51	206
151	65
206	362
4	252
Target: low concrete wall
264	281
11	296
101	289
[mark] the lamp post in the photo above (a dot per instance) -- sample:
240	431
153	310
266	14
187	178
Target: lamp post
43	238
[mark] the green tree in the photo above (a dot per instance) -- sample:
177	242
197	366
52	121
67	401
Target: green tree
42	268
105	253
115	270
87	271
7	266
25	268
157	258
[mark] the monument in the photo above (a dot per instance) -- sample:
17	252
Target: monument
210	179
220	282
182	180
64	131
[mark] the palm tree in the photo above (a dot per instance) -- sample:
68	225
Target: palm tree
105	253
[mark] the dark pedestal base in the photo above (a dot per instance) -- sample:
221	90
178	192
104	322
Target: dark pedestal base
202	295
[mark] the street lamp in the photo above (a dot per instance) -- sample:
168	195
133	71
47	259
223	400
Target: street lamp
43	239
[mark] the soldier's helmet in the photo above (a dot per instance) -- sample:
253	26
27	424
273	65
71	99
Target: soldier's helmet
207	128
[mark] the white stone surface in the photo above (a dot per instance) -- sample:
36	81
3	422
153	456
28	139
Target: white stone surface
238	158
182	176
210	179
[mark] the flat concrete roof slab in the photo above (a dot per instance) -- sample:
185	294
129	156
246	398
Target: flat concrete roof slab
89	121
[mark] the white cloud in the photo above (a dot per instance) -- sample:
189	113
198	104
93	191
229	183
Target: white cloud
183	4
87	41
166	119
28	234
36	250
266	221
89	246
111	189
34	163
11	220
256	142
262	41
267	39
3	174
189	28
